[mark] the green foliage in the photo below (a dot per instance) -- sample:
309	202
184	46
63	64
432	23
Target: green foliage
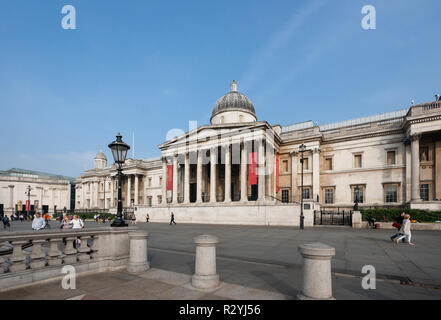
392	214
88	215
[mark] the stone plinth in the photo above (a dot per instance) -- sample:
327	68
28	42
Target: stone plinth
356	220
205	276
138	262
316	273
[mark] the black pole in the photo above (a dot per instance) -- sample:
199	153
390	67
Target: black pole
119	222
302	218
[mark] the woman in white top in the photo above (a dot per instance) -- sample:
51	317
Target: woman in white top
405	230
77	223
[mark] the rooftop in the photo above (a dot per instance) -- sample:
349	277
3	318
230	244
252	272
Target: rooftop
23	173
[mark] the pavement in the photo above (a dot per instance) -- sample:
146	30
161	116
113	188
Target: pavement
259	261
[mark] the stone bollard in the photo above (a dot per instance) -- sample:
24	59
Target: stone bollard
205	276
138	262
317	280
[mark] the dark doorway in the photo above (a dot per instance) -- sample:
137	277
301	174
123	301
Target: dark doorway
253	196
193	187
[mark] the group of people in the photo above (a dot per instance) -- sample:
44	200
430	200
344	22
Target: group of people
402	223
66	222
100	218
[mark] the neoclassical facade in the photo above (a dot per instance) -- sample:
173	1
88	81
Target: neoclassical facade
238	169
50	190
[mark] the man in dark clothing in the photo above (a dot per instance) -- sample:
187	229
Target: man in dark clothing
172	220
398	223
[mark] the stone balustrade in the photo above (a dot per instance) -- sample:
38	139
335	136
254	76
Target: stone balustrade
88	250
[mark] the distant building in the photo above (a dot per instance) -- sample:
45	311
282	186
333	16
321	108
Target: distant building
206	175
54	191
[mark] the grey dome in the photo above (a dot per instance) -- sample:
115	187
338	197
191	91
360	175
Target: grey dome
233	100
101	155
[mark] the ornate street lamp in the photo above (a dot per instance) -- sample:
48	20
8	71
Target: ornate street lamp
119	152
302	149
357	199
28	203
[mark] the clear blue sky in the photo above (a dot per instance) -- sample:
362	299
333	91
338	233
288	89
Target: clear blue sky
149	66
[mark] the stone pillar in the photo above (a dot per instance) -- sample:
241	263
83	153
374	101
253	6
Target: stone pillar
11	196
243	174
415	176
205	276
112	192
138	262
317	278
136	189
294	174
129	190
175	179
227	174
199	178
438	168
213	177
315	173
261	171
97	194
164	181
187	179
356	220
408	158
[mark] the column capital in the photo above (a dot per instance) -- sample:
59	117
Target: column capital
294	153
316	150
415	137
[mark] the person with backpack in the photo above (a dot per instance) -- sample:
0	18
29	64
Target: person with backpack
5	221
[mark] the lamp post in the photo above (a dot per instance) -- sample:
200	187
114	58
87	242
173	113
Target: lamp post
302	149
357	194
28	203
119	152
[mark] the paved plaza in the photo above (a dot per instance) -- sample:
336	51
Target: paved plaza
257	262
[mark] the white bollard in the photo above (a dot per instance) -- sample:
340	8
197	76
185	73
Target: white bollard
205	276
138	262
317	278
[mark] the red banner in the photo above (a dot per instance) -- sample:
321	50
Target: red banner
28	205
169	177
252	168
277	173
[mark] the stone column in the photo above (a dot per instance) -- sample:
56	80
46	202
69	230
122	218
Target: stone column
294	170
199	178
213	177
205	276
415	154
227	174
317	277
438	168
175	179
112	192
136	189
129	190
52	198
261	171
268	171
97	194
315	173
138	262
243	174
187	179
164	181
274	175
11	196
59	200
408	158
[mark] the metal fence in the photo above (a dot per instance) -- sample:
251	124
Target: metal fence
333	217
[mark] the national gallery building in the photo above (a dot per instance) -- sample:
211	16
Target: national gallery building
239	170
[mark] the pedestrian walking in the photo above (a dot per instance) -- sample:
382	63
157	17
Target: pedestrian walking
405	230
147	217
397	224
133	219
5	221
172	218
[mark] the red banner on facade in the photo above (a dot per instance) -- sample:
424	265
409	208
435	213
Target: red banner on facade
170	177
252	168
28	205
277	173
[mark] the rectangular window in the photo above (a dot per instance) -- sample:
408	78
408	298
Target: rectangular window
150	182
391	194
149	201
358	193
160	181
391	158
424	192
285	196
329	196
306	193
328	164
357	161
285	165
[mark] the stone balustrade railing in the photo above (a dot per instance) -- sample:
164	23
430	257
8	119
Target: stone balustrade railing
88	250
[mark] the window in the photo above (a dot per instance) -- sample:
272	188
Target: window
160	181
328	164
149	201
360	194
285	165
391	193
329	196
357	161
305	163
391	159
424	192
159	199
306	193
285	196
424	154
